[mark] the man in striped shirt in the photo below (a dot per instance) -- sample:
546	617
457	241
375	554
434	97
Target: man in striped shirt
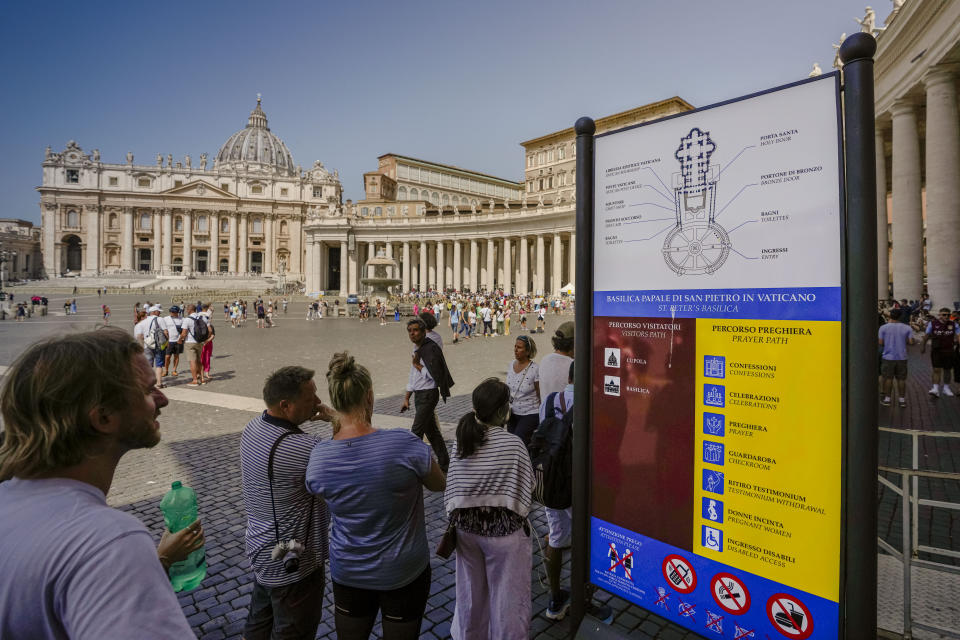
287	598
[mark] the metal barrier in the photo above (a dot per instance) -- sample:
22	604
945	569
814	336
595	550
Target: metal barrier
909	492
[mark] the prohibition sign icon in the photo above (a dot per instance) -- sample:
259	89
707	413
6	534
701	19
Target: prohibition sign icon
679	574
730	593
789	616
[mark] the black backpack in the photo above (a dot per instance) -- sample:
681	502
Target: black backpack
551	453
201	330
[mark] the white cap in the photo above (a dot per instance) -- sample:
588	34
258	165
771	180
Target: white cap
156	308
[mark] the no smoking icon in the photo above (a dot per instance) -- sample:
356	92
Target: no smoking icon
679	574
730	593
789	616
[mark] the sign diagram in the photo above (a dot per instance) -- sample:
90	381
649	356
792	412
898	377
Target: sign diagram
679	573
730	593
789	616
697	244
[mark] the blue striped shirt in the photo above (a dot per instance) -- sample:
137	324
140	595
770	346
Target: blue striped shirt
373	485
293	501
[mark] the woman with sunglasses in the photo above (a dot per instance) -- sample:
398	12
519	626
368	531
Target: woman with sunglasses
523	379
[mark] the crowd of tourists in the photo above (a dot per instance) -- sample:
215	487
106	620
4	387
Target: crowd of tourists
354	500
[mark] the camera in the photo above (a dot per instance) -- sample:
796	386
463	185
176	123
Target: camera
289	554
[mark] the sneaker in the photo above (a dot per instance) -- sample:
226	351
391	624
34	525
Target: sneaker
947	391
886	401
557	610
934	391
601	612
903	402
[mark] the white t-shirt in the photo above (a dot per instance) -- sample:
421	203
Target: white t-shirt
554	371
72	567
170	324
523	393
141	328
485	312
189	324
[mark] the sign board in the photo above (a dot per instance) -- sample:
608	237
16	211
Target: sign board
717	402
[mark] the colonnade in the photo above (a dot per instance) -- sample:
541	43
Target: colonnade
940	166
535	263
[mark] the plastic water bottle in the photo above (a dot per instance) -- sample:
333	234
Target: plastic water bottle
179	508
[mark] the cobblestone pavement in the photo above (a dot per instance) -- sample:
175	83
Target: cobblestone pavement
201	432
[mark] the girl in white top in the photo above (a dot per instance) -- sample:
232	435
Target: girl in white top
523	378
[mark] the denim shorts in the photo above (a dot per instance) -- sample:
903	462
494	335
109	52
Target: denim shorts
289	612
154	357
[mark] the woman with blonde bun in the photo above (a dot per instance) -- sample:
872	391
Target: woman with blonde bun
372	481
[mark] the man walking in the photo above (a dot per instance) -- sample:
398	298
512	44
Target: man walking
148	333
942	332
286	536
71	566
894	338
174	326
192	346
429	379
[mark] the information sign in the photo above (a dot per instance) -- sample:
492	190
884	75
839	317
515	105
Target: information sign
716	410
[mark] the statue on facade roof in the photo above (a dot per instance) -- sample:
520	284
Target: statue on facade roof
49	153
817	71
523	200
491	205
897	4
169	160
837	62
129	157
473	207
540	200
869	22
187	161
96	155
203	161
159	160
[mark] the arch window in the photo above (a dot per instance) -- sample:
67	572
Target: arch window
456	199
224	225
283	227
414	194
73	218
446	199
224	265
258	225
177	264
378	211
402	193
145	221
435	198
202	223
178	223
364	211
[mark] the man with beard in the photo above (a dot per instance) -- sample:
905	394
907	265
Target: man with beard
429	380
70	566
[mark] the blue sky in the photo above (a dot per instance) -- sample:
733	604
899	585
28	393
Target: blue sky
455	82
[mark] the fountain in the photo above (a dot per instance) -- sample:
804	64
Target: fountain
382	279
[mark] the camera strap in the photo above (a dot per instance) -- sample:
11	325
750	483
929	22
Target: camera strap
273	504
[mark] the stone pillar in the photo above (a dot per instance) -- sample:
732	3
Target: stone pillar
457	265
268	222
321	266
309	277
474	265
232	247
344	269
213	256
422	266
557	251
943	188
92	244
491	266
352	280
405	267
187	241
507	267
156	224
523	286
540	285
907	221
49	245
371	253
126	252
441	280
242	246
167	260
572	255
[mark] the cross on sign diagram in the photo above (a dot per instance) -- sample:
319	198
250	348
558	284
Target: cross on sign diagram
730	593
679	574
789	616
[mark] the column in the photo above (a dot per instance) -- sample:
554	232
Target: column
541	266
187	241
268	222
92	248
242	247
405	267
389	253
213	256
422	266
883	257
371	253
457	265
167	241
321	266
491	268
474	260
126	253
441	280
507	267
432	265
156	223
523	286
907	221
343	268
572	255
232	247
943	188
557	251
309	277
49	247
352	280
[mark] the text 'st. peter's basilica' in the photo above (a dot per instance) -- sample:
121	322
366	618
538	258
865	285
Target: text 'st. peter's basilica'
244	215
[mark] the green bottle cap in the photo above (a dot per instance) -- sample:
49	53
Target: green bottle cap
176	485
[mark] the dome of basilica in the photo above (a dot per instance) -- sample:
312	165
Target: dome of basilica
256	147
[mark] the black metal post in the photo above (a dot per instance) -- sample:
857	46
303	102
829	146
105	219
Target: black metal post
583	386
859	579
